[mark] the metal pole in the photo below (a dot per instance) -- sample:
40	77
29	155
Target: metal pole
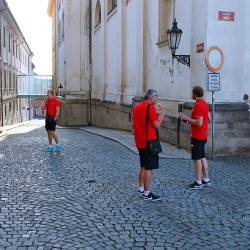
90	65
212	125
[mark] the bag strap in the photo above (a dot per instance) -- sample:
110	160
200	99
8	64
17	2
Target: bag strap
147	115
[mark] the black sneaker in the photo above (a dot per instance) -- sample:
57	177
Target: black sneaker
151	197
140	192
206	184
195	185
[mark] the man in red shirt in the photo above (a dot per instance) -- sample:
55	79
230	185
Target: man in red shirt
147	161
200	117
52	107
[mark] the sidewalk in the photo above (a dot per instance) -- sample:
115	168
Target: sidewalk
4	129
127	139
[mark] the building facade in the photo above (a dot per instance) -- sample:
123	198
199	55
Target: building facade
107	53
15	59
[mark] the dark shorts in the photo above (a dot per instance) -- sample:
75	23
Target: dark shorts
50	125
147	160
197	149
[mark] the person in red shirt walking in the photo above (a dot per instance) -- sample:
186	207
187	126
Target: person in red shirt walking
52	107
148	162
200	117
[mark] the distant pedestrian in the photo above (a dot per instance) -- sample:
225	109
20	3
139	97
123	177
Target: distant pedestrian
148	162
246	98
52	107
200	117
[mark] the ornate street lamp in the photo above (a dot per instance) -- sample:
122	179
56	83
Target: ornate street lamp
60	90
174	37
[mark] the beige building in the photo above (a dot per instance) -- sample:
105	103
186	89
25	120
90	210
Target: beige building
15	59
107	53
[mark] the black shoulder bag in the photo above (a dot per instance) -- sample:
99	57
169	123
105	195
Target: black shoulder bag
153	146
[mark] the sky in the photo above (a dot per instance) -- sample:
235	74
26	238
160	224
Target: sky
36	26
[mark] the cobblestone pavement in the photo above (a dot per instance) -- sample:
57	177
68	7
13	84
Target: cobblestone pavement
85	197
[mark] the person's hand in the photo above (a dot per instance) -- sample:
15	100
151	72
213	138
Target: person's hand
161	107
183	117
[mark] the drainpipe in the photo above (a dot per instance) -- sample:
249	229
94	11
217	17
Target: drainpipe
90	65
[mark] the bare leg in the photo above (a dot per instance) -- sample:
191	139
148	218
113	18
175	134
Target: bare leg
198	169
141	177
55	136
147	179
204	167
50	136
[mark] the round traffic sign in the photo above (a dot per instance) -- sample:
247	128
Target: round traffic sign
214	58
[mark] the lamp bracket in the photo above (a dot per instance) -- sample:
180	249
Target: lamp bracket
184	59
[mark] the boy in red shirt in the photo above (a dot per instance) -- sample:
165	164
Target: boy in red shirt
200	117
52	106
147	161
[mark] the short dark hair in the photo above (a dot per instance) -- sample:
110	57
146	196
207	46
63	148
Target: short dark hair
149	93
198	90
245	97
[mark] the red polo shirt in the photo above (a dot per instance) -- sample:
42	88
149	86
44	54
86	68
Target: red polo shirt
51	105
139	123
200	109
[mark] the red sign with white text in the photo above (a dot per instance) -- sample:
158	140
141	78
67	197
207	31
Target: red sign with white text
226	16
200	48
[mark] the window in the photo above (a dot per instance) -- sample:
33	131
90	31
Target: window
9	42
59	33
14	81
13	47
62	24
39	103
5	79
4	36
111	5
98	13
165	17
10	80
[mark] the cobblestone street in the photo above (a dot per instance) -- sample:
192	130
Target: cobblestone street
85	197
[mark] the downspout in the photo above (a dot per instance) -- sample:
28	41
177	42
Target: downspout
90	66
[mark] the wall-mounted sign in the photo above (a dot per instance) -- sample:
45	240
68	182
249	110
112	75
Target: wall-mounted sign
213	82
226	16
214	59
200	48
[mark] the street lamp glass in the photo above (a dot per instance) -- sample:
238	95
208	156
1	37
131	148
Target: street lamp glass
174	37
60	89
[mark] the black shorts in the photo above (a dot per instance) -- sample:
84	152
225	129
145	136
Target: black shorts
147	160
50	125
197	149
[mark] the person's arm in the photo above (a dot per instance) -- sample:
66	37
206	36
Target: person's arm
209	117
132	124
158	123
57	113
44	104
198	121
